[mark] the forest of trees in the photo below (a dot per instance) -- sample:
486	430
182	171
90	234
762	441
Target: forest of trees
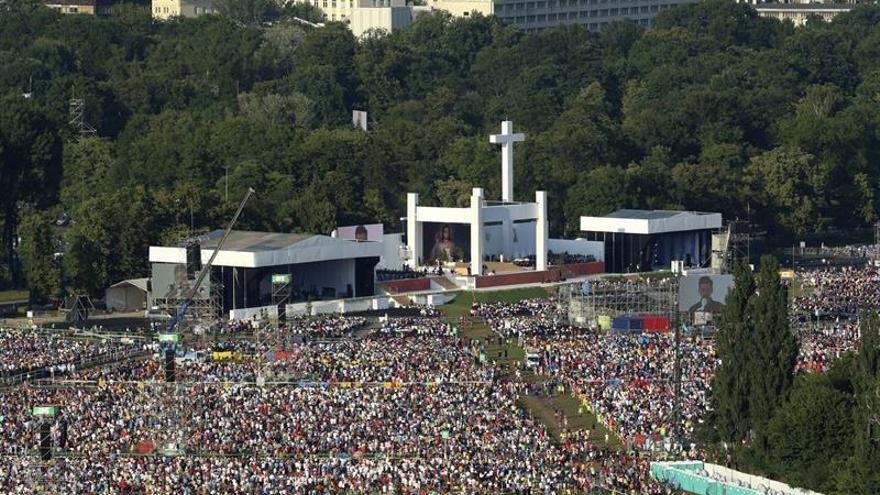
813	430
711	109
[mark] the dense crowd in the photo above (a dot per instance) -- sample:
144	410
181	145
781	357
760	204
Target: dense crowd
30	350
836	292
825	313
338	404
324	327
626	380
403	408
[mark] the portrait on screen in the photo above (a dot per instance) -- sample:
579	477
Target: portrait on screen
704	293
446	242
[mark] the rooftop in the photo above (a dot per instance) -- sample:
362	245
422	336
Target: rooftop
250	241
814	7
651	214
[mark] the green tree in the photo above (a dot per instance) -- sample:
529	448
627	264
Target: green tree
810	435
866	454
88	164
109	242
36	251
790	185
731	415
30	163
597	192
247	11
775	349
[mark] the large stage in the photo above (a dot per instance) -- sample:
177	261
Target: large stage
645	240
260	269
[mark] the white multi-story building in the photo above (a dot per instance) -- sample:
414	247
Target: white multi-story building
166	9
799	13
529	15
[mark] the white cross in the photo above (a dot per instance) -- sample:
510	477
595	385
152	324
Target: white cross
506	140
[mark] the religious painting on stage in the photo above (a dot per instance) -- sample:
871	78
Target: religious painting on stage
703	296
446	242
370	232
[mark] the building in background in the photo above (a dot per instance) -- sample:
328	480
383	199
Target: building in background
166	9
534	15
365	17
799	13
531	15
91	7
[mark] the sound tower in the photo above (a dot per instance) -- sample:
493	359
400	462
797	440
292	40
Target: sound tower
193	259
169	365
62	434
45	441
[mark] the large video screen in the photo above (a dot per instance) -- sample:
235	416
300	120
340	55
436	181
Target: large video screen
368	232
446	242
703	293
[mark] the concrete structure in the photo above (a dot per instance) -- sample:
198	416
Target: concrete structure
527	15
799	13
463	8
703	478
364	19
503	230
91	7
166	9
506	140
343	10
642	240
316	267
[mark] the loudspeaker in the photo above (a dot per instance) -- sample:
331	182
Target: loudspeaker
62	435
45	441
169	365
193	259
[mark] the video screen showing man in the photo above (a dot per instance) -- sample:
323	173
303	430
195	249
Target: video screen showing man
706	304
360	233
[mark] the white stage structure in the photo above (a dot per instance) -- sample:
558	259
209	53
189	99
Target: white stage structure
313	266
644	240
505	229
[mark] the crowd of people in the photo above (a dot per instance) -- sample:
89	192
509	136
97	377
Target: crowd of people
826	310
30	350
399	405
626	380
401	408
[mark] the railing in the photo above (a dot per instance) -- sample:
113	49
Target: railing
78	365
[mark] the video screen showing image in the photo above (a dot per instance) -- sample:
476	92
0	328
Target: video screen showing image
446	242
704	293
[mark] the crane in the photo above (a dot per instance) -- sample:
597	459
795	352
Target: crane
191	293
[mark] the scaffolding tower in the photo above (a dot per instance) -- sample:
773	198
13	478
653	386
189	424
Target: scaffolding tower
632	297
78	119
76	308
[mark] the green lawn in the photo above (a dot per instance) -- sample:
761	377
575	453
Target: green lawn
544	410
9	296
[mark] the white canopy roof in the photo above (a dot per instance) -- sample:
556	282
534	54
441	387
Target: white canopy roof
651	221
246	249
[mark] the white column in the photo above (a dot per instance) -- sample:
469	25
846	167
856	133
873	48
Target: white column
477	232
413	230
541	230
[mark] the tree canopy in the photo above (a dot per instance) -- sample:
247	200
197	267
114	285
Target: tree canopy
712	109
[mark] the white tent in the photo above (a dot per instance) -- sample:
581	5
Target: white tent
128	295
